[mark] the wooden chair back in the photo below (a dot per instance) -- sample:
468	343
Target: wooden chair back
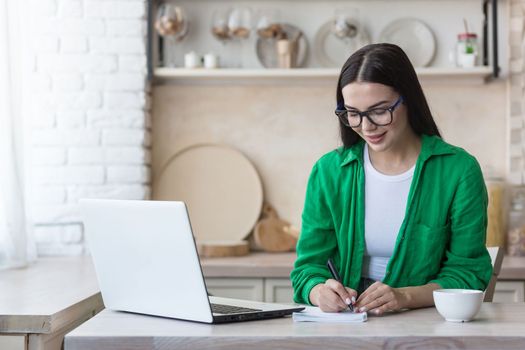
496	255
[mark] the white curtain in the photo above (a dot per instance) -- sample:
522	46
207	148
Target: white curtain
16	244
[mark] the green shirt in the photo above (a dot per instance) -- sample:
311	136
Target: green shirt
441	239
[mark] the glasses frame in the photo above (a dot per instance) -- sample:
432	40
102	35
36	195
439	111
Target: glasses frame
342	114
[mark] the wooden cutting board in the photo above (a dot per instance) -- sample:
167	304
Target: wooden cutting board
220	186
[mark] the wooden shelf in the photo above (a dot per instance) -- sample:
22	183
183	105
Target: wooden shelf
477	75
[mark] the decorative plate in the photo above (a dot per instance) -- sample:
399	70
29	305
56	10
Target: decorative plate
414	37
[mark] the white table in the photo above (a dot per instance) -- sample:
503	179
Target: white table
497	326
42	302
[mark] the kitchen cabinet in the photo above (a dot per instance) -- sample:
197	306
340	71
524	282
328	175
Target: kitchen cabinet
258	276
274	290
13	342
278	290
239	288
265	277
511	280
509	292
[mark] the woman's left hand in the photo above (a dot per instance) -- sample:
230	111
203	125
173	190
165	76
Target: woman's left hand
380	298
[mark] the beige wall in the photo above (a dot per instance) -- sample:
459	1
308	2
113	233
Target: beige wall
284	129
475	118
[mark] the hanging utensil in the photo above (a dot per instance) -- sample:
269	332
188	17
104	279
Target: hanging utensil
343	28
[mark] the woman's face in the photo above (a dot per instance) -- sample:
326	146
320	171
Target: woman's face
363	96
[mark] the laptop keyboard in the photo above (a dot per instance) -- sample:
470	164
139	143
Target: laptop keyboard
230	309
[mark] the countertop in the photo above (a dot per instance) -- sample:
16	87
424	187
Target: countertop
48	295
279	265
256	264
497	326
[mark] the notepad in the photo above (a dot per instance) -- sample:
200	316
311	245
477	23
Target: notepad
314	314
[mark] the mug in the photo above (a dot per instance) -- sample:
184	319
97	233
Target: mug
192	60
211	61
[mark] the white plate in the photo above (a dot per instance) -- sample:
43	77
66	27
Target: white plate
414	37
220	186
331	51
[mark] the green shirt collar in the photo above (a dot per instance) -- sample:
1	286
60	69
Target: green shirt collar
430	146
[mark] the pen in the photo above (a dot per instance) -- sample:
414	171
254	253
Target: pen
336	277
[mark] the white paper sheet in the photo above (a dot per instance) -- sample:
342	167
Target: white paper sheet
314	314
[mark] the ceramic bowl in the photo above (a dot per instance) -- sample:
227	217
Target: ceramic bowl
458	305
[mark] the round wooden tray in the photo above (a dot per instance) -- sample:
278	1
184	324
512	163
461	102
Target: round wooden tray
220	186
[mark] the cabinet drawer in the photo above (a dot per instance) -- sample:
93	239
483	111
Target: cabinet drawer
239	288
509	292
13	342
278	290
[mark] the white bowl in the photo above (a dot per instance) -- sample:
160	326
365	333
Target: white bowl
458	305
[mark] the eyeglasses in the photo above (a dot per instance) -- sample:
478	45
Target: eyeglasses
377	116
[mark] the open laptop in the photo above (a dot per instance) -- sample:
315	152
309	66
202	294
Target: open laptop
146	262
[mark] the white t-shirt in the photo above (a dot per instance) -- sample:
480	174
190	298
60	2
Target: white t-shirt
385	204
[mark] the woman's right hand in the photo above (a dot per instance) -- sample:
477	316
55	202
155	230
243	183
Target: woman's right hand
332	296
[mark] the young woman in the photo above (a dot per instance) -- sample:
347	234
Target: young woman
400	212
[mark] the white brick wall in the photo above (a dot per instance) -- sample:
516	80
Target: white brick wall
73	44
128	174
90	118
49	156
114	9
70	8
68	82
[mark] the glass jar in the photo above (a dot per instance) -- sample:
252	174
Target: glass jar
516	232
496	226
467	50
